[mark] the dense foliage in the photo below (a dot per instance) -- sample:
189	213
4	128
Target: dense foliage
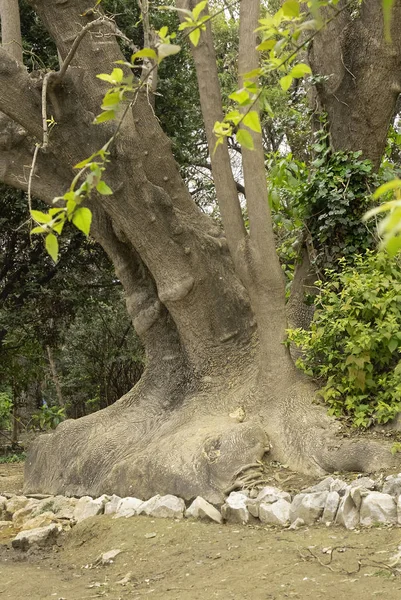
353	346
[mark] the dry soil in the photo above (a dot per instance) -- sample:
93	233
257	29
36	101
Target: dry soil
184	560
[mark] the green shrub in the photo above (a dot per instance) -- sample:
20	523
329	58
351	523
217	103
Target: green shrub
353	347
5	410
48	417
12	458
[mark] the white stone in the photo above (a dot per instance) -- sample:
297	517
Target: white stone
235	508
253	507
169	507
61	506
201	509
331	507
108	557
297	523
339	486
392	485
4	524
322	486
275	513
3	501
271	494
13	504
365	482
149	505
127	507
42	536
357	494
347	514
377	507
308	507
87	507
399	510
23	514
41	520
111	506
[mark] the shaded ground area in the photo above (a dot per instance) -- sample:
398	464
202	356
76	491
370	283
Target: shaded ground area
170	560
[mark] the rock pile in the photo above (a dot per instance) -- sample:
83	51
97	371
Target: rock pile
363	502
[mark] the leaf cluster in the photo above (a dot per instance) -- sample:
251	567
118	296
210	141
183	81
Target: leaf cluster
332	203
353	346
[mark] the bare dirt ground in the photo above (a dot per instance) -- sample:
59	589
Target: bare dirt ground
171	560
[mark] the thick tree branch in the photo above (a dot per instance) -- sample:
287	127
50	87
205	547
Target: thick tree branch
18	97
363	74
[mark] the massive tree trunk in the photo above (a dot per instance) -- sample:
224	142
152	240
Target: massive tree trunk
219	390
359	87
363	76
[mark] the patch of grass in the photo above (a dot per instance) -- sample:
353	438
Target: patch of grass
12	458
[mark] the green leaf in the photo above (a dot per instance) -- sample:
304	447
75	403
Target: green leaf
55	211
82	219
266	45
116	76
392	245
144	53
104	189
387	10
198	9
240	96
394	184
244	138
300	70
81	165
51	244
39	229
291	8
286	82
252	74
107	115
59	224
40	217
393	344
111	99
234	116
251	120
164	30
194	36
167	50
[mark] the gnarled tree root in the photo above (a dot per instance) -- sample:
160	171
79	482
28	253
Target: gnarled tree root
131	450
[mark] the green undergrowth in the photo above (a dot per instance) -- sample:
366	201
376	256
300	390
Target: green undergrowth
12	458
353	346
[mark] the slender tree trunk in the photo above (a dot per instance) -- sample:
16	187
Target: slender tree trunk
11	39
54	375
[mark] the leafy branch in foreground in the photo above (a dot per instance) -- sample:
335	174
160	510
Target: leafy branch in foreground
124	91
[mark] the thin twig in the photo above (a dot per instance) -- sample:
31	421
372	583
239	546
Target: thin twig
76	43
44	110
33	165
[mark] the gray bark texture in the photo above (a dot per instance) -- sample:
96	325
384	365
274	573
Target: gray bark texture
363	76
219	389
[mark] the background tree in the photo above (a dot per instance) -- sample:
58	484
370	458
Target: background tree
219	390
